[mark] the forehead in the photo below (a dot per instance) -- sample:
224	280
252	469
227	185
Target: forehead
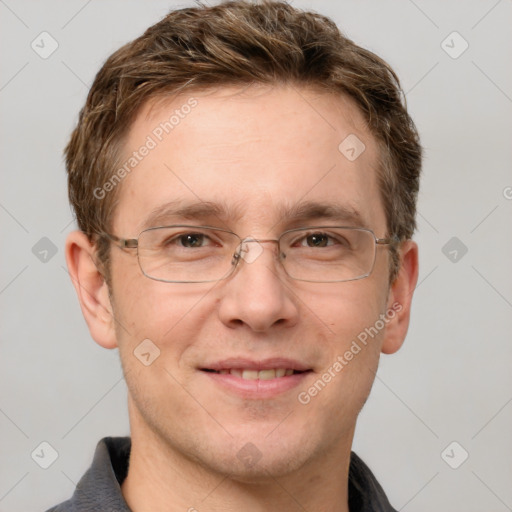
253	155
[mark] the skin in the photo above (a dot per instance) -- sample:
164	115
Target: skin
257	150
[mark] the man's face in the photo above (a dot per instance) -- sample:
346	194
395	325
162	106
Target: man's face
256	154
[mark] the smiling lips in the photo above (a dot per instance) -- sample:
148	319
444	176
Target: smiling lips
257	380
264	370
246	374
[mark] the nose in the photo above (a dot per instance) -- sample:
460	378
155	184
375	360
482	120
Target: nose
258	293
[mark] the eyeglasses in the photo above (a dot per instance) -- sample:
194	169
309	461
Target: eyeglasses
202	254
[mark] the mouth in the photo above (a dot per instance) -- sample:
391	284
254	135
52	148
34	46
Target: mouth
257	379
253	374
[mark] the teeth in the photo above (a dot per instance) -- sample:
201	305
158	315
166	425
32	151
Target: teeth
255	374
249	374
267	374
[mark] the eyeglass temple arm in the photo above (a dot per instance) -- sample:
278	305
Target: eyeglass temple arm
388	241
123	243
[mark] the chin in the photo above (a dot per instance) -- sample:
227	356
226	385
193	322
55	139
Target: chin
260	457
266	466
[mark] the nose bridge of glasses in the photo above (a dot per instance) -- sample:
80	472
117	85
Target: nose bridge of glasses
249	248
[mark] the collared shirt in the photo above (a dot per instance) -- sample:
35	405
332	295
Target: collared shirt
100	487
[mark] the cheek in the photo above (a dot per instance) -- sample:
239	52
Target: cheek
350	349
169	315
345	309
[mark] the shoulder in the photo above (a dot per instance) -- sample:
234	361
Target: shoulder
99	488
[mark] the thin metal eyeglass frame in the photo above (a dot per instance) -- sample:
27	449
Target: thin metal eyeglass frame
133	243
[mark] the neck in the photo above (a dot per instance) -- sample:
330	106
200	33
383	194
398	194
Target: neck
161	478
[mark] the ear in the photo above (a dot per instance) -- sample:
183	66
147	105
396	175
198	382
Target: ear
91	289
400	298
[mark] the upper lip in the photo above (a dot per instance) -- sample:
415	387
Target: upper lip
251	364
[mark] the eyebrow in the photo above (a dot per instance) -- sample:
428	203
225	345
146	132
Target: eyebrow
304	211
180	210
311	210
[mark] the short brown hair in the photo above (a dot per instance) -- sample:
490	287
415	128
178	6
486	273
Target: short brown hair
239	43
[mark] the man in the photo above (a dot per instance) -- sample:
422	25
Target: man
244	179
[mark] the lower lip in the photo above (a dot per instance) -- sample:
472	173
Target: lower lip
256	388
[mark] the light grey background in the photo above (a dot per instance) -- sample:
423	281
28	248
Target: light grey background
452	379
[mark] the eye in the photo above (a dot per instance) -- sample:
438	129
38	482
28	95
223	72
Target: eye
184	241
191	240
317	240
337	239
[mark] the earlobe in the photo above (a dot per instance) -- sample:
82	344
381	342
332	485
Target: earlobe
400	298
91	288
